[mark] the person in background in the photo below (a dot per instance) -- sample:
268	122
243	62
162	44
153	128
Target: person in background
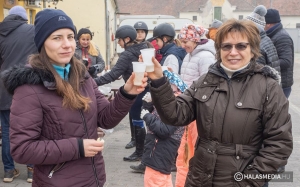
126	36
238	107
267	49
89	52
142	32
162	140
200	56
56	129
164	35
14	51
212	30
285	49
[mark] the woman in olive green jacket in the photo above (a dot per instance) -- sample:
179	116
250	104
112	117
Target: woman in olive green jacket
241	112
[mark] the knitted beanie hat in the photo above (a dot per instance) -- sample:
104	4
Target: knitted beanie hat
18	10
84	31
258	15
216	24
272	16
192	32
47	21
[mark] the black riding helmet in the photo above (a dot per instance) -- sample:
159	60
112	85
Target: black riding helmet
163	29
126	31
140	25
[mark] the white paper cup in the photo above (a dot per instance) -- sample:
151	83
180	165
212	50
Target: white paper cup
139	70
147	55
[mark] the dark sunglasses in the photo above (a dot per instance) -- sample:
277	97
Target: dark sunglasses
239	46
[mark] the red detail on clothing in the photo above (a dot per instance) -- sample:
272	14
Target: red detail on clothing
157	55
85	55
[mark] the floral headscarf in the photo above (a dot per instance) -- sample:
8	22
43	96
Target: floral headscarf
192	32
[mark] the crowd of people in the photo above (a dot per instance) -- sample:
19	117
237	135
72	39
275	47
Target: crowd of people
215	104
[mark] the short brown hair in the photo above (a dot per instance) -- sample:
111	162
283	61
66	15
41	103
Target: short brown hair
247	29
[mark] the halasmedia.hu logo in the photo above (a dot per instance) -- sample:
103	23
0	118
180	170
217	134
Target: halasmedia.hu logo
280	177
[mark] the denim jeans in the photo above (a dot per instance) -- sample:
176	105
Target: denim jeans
7	160
287	91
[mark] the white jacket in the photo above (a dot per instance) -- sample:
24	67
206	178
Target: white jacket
196	64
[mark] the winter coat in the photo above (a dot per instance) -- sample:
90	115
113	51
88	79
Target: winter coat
124	64
189	139
161	143
96	61
235	117
269	54
285	50
45	134
196	63
170	53
14	49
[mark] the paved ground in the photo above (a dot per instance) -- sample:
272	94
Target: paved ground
119	174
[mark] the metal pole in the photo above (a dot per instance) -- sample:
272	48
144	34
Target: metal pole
271	2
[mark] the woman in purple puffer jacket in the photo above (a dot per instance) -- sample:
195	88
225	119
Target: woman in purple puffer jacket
57	108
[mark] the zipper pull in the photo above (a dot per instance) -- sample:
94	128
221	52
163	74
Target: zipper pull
51	173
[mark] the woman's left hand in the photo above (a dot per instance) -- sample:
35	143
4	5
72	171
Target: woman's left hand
131	89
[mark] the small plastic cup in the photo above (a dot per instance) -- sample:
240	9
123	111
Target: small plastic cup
139	70
163	68
147	55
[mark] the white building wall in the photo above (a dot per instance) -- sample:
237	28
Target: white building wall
91	15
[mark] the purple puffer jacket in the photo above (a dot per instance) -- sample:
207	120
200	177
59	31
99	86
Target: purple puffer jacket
45	134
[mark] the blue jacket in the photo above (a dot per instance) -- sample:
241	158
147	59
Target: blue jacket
174	50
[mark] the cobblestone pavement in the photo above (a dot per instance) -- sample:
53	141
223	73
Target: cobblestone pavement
119	174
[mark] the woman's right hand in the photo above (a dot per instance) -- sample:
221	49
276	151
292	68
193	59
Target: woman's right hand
92	147
157	73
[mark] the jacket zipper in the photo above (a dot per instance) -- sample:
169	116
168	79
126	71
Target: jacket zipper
93	160
152	152
55	168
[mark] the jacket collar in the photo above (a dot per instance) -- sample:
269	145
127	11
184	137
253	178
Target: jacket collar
251	69
273	30
18	76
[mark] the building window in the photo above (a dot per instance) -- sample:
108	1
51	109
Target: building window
31	2
298	25
241	17
31	17
194	18
218	13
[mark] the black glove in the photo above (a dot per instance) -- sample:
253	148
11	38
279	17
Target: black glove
92	70
148	106
85	62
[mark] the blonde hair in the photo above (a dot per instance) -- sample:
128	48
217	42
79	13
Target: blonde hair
92	47
177	42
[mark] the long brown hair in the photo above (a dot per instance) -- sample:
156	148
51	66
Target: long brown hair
246	28
69	90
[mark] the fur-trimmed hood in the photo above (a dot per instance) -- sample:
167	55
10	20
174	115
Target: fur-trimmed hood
18	76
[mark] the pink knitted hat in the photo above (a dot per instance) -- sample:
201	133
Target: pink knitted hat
192	32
